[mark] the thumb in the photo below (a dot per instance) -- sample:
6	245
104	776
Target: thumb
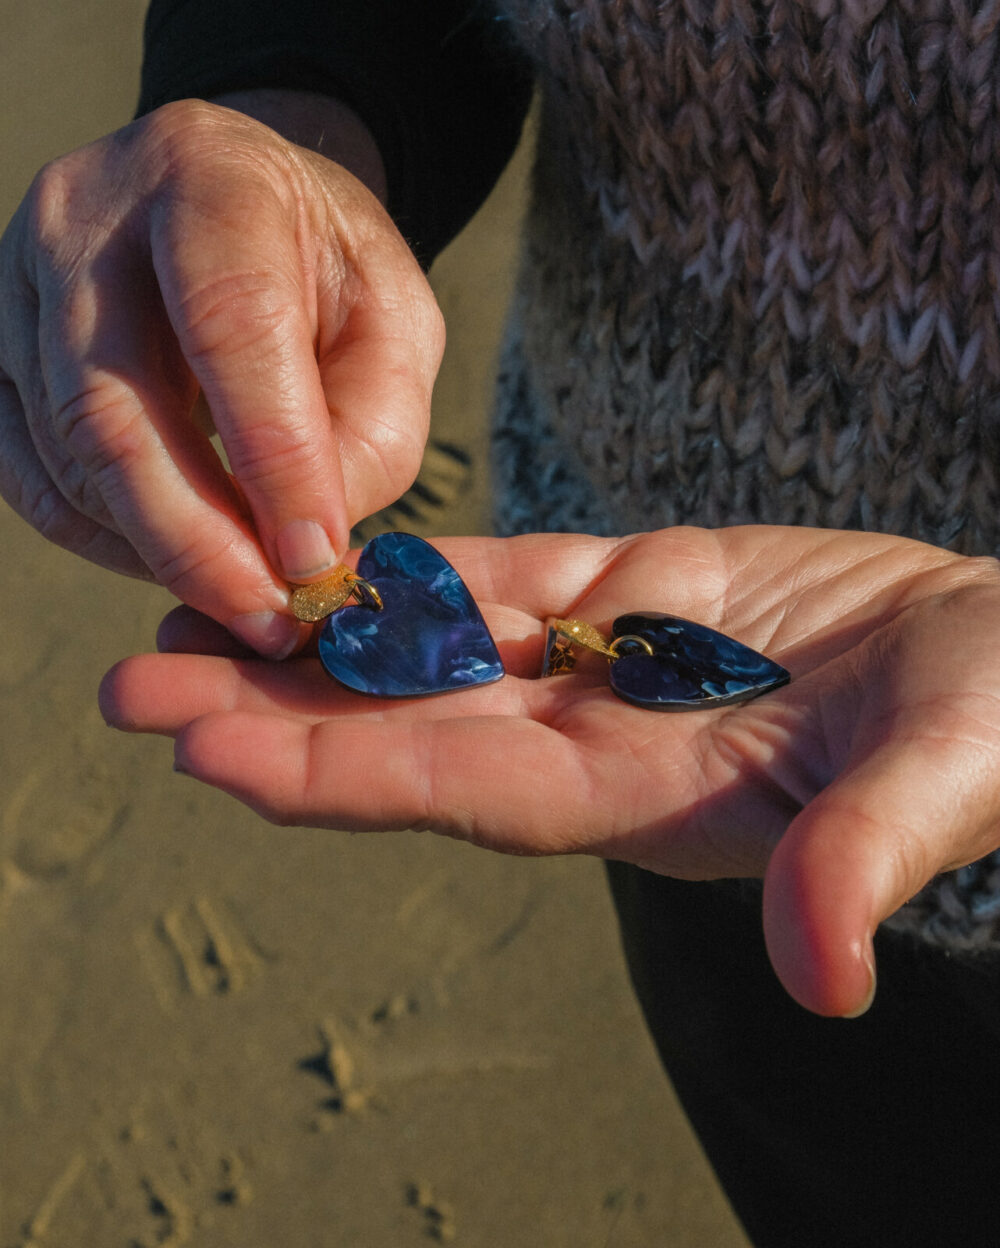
859	851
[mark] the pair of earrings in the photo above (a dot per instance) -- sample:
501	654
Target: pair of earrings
413	629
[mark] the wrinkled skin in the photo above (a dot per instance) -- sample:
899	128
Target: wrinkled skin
876	768
196	267
197	270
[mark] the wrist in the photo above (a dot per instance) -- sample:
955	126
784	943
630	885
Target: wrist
317	122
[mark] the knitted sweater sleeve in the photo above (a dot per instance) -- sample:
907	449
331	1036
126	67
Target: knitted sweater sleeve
440	86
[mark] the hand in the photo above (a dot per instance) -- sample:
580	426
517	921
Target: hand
197	261
876	768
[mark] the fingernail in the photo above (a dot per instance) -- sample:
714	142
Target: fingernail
270	634
866	1004
305	550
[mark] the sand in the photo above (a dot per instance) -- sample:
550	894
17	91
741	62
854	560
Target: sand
215	1032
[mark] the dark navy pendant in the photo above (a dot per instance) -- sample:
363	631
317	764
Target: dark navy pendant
691	668
429	636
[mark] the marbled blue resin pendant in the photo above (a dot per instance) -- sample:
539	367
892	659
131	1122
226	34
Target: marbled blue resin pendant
665	663
428	637
691	666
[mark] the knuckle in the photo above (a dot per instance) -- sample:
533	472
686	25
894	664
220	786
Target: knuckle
75	485
413	301
49	513
56	518
68	211
985	568
398	472
228	163
100	429
431	322
183	129
236	312
188	568
391	458
274	459
45	206
422	330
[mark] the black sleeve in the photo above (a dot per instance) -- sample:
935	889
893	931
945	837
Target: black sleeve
439	84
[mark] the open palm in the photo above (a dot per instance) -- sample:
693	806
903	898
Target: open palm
847	790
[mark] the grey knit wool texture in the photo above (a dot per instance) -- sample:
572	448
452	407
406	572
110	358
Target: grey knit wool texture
761	284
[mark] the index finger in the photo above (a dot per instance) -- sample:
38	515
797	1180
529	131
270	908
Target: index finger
246	321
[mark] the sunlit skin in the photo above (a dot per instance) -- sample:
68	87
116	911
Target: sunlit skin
847	790
205	268
196	269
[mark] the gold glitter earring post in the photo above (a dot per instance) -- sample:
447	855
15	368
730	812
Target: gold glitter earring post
314	602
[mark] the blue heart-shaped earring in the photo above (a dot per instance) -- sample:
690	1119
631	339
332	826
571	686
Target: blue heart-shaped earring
412	629
663	663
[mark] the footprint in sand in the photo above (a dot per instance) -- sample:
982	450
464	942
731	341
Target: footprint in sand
437	1216
58	813
197	949
118	1197
335	1066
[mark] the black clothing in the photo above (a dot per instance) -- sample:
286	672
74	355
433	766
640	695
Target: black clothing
876	1132
440	87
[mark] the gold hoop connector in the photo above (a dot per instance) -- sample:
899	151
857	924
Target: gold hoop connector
631	640
320	599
